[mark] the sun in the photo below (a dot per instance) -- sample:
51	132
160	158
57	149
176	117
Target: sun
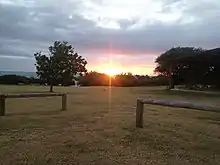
112	71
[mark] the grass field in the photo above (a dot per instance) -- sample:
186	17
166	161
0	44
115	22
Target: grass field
99	128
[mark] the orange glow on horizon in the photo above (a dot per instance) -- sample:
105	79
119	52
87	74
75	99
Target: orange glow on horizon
112	71
116	69
112	63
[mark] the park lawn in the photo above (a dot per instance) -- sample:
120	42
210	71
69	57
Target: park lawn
99	128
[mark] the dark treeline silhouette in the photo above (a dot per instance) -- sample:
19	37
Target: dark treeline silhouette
92	79
16	80
123	80
19	80
190	66
60	65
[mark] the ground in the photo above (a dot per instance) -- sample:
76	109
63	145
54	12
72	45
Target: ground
99	128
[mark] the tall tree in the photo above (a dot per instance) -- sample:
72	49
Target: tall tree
60	65
171	62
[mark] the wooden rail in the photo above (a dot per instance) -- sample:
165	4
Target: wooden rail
177	104
3	98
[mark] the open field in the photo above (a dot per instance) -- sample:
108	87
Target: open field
99	128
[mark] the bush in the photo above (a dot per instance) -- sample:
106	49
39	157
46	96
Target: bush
17	80
14	79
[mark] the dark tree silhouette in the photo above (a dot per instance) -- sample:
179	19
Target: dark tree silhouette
173	61
60	65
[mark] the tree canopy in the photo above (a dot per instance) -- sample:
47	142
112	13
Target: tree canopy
189	66
61	64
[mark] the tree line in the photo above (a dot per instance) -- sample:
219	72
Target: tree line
188	66
91	79
16	80
121	80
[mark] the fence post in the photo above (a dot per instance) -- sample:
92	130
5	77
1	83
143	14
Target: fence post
139	113
2	105
64	101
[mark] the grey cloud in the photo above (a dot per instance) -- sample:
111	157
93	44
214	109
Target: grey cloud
19	22
25	29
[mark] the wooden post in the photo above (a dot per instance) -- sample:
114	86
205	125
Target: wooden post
139	113
2	105
64	102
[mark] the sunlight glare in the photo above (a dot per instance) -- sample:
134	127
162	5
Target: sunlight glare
112	71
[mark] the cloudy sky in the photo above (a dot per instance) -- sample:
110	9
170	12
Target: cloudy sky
132	33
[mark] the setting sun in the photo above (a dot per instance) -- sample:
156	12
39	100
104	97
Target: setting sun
112	71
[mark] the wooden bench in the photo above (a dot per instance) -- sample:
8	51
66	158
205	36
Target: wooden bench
3	97
177	104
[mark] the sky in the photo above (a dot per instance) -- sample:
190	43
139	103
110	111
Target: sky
129	33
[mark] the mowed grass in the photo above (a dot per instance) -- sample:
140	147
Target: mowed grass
99	128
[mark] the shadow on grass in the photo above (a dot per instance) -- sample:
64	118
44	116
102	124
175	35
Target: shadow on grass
26	92
187	93
38	113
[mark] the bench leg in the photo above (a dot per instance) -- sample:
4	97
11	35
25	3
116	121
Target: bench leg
64	102
2	106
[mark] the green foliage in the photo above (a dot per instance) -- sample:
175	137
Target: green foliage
61	64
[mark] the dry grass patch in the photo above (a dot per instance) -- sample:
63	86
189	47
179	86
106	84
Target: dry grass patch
99	128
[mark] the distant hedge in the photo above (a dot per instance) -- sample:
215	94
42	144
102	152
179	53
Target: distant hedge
92	79
121	80
16	80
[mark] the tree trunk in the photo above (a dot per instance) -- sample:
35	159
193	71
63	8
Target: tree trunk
51	88
171	84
